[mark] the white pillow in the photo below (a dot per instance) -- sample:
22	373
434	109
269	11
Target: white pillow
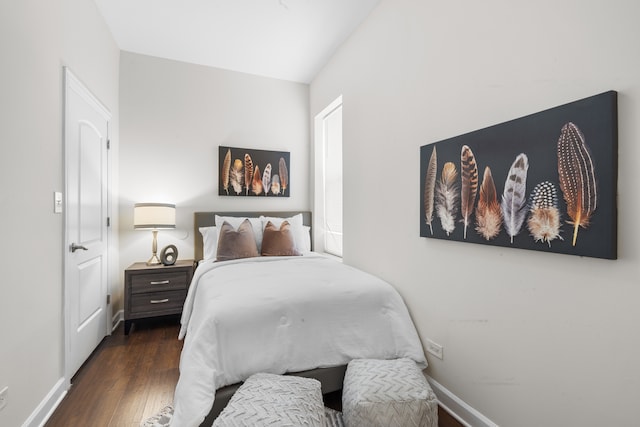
209	242
305	238
294	221
301	235
235	221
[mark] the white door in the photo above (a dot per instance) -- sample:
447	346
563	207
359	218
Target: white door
86	232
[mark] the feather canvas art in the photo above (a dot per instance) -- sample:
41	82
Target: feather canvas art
544	182
245	172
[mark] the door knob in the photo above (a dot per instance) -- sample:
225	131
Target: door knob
75	247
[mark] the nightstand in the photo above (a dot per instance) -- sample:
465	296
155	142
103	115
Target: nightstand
155	290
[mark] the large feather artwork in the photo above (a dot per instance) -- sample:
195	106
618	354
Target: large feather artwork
514	196
488	213
447	197
236	176
544	216
226	168
429	189
284	175
469	189
256	183
547	182
248	172
577	177
266	179
275	185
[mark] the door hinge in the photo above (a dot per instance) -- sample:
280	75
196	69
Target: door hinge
108	144
108	299
108	221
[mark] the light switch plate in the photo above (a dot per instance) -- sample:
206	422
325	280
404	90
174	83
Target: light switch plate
4	395
57	202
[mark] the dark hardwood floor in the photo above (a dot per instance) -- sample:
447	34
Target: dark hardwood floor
130	378
127	379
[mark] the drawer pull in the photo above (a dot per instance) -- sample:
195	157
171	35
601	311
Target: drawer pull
159	301
160	282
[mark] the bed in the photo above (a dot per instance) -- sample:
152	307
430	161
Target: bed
298	312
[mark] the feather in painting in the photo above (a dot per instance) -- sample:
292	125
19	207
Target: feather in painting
430	188
577	177
488	212
544	216
447	197
469	185
225	170
284	174
514	196
248	172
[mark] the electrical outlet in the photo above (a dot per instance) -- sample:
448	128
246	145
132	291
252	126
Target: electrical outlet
3	397
435	349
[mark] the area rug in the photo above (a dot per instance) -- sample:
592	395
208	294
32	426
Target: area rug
163	418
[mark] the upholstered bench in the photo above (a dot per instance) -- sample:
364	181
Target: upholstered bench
274	400
387	393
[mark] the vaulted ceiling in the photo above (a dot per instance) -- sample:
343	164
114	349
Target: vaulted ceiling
284	39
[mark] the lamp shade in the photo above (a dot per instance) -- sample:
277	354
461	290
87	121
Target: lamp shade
154	216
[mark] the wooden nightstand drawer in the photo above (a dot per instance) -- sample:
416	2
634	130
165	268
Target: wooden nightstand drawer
156	302
159	282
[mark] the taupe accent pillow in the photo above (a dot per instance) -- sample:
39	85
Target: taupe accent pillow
278	242
234	244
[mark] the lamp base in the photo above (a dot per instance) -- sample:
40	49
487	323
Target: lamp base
154	249
154	260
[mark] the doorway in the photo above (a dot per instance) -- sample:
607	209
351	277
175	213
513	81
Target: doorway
86	263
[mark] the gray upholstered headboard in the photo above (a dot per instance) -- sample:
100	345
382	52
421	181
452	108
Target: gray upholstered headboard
207	219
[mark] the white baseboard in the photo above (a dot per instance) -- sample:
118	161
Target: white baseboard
49	404
458	408
117	318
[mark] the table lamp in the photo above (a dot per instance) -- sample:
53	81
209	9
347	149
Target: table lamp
154	217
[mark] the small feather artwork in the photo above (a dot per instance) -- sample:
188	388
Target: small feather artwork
544	216
514	199
248	172
275	185
488	212
266	179
446	197
430	188
226	169
237	176
469	189
577	177
284	174
256	183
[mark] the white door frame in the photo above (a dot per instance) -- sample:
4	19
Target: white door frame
71	79
319	220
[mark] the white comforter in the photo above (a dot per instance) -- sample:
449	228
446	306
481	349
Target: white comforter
283	314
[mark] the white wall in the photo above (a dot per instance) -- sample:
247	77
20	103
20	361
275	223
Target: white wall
529	338
174	117
37	38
